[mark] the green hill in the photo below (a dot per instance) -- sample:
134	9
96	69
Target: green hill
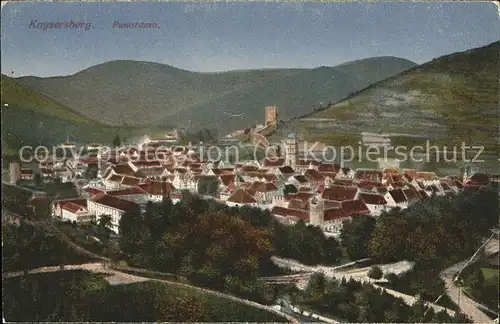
143	93
450	99
29	118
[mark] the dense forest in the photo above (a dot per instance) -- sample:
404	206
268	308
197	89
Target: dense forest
352	301
435	233
27	247
217	246
79	296
228	248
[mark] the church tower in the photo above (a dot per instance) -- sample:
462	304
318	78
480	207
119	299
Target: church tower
291	150
316	211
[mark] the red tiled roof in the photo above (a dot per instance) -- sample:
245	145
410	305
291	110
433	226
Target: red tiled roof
114	202
282	211
265	187
410	174
326	167
157	188
130	181
72	207
369	184
301	162
372	199
93	191
89	160
270	177
82	202
227	179
340	193
411	193
241	196
147	164
445	186
355	207
391	171
217	171
115	178
425	175
297	204
313	175
398	195
304	196
398	184
255	185
301	179
273	162
127	192
333	214
330	175
249	168
368	175
26	172
343	182
123	169
350	208
422	194
329	204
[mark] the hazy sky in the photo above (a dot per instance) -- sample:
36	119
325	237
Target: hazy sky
226	36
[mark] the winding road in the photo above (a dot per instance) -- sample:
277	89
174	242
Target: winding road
467	305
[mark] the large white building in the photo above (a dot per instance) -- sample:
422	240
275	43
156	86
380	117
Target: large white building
104	204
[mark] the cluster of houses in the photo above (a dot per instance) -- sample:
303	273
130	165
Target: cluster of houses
291	188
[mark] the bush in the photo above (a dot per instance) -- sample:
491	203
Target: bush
375	273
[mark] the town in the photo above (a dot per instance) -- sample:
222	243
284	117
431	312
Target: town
102	185
267	162
292	187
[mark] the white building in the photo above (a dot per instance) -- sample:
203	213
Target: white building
104	204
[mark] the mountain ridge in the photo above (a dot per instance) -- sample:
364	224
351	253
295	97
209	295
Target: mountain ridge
146	93
450	99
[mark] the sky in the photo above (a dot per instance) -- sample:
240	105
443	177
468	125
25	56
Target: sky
210	36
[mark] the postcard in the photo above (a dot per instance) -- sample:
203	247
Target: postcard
250	161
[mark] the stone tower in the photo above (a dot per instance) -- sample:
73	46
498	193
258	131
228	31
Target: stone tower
291	149
271	116
316	211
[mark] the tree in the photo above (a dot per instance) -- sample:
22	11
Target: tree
355	236
105	221
90	172
208	185
117	141
391	277
389	241
316	286
375	273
